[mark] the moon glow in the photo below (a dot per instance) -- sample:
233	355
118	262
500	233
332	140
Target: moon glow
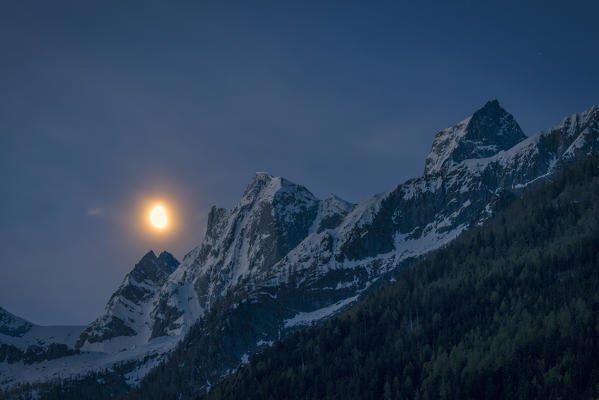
158	217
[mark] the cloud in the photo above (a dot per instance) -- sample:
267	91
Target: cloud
95	212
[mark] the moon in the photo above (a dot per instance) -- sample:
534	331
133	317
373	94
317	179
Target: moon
158	217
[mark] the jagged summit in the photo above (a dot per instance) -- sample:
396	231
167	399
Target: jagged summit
259	182
168	260
260	178
127	311
265	187
262	175
154	268
488	131
588	119
281	258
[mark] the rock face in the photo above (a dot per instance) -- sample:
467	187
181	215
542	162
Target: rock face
128	310
487	132
257	277
273	217
282	258
11	325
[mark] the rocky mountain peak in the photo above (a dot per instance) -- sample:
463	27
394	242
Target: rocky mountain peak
281	258
127	310
273	216
273	209
168	260
331	212
154	269
494	126
488	131
587	119
259	182
149	257
270	189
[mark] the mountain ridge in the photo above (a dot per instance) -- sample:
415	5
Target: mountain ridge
131	300
287	259
488	131
508	310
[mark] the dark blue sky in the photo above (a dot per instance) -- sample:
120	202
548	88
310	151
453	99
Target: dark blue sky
104	104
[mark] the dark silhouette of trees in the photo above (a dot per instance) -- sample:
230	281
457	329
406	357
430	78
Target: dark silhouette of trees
508	310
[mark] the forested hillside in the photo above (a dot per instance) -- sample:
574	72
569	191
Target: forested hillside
508	310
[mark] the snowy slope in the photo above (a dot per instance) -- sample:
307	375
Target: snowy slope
124	323
281	258
80	364
331	267
273	216
44	335
488	131
17	332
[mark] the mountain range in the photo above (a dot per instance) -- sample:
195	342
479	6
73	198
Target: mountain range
509	310
282	259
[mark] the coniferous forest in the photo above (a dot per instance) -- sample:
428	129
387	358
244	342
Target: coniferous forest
508	310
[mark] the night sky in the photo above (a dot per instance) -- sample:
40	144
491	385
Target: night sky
104	105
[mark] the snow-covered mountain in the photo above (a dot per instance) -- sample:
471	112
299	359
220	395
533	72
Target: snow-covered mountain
22	334
241	247
488	131
254	304
125	322
25	346
281	258
119	337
